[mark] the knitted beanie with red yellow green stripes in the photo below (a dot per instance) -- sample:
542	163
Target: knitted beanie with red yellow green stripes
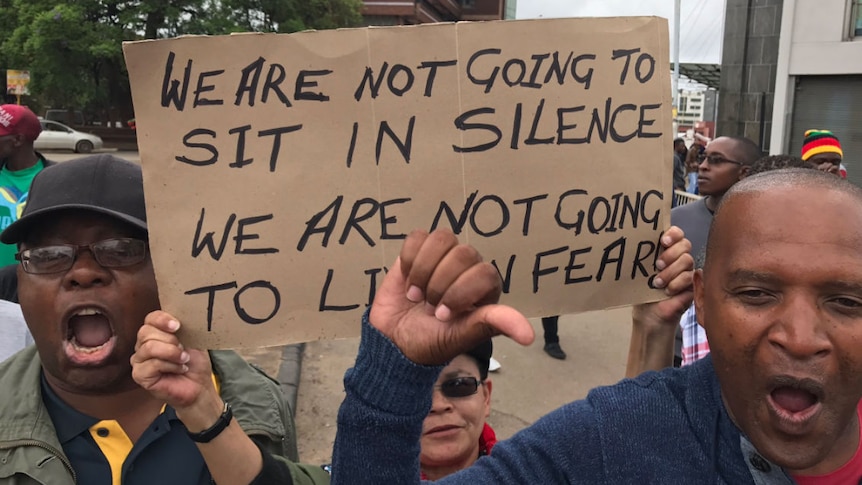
820	141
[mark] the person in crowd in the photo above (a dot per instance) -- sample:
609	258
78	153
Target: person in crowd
14	335
651	345
679	153
94	401
550	329
455	433
644	319
726	161
9	283
822	148
777	400
19	163
777	162
694	342
693	158
653	328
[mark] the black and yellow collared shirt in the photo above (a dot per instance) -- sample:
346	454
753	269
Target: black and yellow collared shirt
102	454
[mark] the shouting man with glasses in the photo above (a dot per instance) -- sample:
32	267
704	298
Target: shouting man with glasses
75	409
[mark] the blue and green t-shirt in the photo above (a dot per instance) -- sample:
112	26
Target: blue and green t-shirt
14	189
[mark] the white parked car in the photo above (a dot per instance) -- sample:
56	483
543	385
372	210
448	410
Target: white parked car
57	136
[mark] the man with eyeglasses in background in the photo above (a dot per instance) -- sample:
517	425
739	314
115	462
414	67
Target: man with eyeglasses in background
821	150
655	327
726	161
72	411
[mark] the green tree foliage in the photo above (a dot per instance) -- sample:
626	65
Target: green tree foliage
73	48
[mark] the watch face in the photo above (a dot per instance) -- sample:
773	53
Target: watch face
327	468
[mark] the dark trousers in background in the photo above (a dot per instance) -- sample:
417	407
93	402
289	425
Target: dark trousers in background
549	324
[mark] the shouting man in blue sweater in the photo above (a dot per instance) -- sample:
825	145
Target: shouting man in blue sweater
777	402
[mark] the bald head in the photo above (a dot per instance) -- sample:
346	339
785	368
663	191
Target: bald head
778	181
790	178
747	151
780	300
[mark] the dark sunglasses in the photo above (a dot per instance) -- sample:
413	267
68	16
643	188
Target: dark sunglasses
110	253
717	160
459	387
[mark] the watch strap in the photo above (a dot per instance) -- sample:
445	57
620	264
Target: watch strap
210	433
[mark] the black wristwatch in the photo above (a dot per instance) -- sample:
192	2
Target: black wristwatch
221	423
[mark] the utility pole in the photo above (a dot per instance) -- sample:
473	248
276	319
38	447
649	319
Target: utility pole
676	9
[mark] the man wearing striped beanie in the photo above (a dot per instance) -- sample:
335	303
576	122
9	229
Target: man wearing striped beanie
822	148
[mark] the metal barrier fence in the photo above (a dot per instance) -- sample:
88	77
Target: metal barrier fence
681	197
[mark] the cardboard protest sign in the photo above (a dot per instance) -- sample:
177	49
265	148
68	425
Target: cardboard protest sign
282	172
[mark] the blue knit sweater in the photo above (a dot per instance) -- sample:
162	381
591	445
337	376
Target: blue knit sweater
662	427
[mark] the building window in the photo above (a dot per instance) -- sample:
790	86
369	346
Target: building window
858	27
855	19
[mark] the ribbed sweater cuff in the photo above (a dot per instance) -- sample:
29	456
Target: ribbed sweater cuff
386	380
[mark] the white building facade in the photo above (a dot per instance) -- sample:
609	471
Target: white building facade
691	107
818	82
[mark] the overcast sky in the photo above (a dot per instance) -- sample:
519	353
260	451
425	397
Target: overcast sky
702	21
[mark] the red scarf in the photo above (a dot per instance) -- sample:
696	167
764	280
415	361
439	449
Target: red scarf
487	440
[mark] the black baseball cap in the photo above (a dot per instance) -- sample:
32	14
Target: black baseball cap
482	355
102	183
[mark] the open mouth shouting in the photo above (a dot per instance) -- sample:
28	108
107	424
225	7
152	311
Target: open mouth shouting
796	403
90	339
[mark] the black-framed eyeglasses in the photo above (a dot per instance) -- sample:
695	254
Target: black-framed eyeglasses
109	253
459	387
719	160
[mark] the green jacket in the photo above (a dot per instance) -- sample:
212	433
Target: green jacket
31	454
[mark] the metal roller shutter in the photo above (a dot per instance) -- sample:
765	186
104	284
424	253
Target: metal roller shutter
831	103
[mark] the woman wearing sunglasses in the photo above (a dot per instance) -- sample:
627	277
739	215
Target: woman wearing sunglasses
455	434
